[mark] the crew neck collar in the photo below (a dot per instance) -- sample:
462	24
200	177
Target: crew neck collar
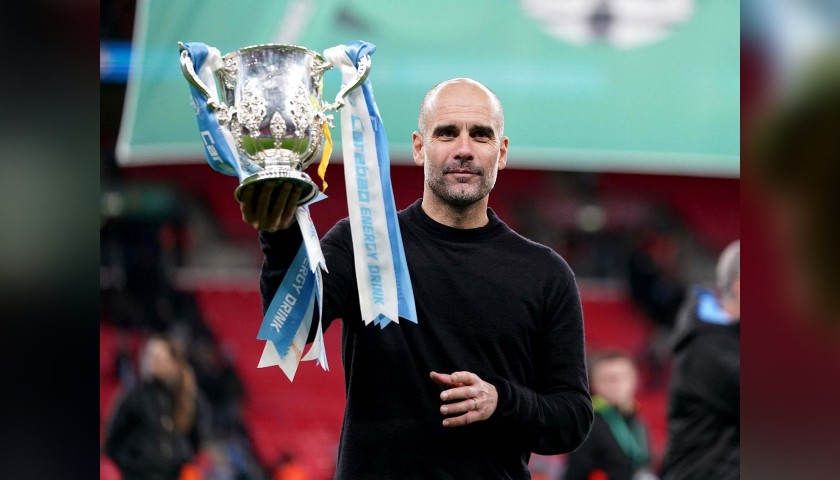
426	222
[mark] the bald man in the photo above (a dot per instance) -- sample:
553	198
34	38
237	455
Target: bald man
494	369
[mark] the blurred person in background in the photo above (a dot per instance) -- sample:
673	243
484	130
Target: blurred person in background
704	435
160	423
798	166
617	447
791	187
495	368
655	281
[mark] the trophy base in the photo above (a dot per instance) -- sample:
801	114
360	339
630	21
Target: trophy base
308	192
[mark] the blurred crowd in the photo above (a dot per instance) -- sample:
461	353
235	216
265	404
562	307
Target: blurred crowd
164	356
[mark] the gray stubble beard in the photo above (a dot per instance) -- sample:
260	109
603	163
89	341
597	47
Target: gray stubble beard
461	199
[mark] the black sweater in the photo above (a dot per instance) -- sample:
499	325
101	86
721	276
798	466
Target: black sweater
488	301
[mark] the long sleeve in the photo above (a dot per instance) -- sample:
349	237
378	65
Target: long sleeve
554	416
279	249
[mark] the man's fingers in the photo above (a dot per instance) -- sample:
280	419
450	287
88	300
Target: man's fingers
290	207
277	205
468	405
467	395
456	379
263	204
472	409
441	378
465	378
284	207
458	393
461	420
246	204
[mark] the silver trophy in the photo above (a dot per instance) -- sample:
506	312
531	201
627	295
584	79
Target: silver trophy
271	103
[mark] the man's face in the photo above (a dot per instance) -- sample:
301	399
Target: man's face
616	381
460	148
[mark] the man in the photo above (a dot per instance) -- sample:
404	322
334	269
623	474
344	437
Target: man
617	446
704	435
494	369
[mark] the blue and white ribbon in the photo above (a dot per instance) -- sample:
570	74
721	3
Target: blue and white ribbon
219	146
317	263
288	319
385	292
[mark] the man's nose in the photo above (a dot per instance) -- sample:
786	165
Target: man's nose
464	147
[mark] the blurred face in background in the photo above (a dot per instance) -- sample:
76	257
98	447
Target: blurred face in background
616	381
158	362
796	150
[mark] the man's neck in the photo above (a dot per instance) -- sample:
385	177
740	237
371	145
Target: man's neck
472	216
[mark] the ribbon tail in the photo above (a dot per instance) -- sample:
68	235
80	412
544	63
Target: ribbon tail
269	357
291	360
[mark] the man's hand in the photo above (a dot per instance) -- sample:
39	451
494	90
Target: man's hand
269	206
466	394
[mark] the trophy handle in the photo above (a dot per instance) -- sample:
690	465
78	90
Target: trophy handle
188	69
362	73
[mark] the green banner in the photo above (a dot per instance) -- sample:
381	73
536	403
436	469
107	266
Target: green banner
628	86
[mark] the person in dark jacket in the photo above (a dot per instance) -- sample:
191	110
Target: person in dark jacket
494	369
704	435
158	425
617	447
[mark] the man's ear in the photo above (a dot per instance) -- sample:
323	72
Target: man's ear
503	149
417	148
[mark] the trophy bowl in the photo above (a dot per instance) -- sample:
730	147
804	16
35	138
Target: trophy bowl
270	102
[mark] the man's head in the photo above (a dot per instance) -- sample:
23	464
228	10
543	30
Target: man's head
460	142
613	376
728	277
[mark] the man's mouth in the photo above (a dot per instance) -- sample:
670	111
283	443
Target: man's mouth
460	171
